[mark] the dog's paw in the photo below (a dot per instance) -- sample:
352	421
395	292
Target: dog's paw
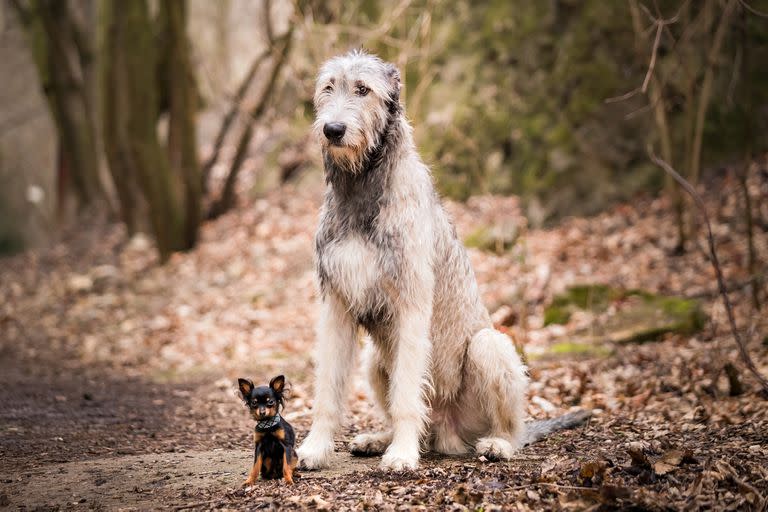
495	448
368	445
315	453
395	459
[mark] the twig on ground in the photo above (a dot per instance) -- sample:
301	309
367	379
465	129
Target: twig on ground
734	383
569	487
731	287
699	202
197	504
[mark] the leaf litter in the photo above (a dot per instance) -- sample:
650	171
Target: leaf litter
667	434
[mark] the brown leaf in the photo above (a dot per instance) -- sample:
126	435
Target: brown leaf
662	468
638	456
592	469
673	457
615	492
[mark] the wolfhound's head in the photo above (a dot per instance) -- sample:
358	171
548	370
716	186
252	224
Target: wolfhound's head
356	100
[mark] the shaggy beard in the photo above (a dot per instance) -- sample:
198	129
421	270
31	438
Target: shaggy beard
346	158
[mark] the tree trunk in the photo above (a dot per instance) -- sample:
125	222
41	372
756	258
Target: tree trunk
660	117
132	104
66	90
116	106
706	89
182	143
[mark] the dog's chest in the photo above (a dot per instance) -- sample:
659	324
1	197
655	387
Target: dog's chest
349	266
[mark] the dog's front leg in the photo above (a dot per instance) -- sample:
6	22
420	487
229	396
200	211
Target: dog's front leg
407	404
336	346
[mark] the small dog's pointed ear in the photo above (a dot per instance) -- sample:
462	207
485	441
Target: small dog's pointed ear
246	387
277	383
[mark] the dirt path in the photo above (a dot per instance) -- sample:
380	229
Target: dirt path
146	481
73	439
117	375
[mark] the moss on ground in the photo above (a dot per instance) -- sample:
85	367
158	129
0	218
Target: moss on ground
642	316
566	348
556	315
491	240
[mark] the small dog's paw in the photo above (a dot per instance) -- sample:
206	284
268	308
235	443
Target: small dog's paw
314	454
369	445
247	483
495	448
400	460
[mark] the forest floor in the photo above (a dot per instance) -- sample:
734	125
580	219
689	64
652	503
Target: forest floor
117	375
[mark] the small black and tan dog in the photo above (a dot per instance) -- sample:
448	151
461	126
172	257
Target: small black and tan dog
273	437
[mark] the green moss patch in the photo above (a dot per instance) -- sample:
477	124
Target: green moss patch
640	315
492	239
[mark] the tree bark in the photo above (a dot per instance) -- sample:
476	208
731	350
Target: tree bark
116	106
66	53
661	119
182	143
132	100
706	89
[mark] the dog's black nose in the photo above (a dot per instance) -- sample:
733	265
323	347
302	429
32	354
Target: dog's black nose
334	131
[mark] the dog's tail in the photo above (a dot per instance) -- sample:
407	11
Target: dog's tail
538	429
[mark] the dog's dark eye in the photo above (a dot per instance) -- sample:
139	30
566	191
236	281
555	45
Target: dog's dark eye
270	402
328	88
362	90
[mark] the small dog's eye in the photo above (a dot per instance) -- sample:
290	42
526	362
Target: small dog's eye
270	402
328	88
362	90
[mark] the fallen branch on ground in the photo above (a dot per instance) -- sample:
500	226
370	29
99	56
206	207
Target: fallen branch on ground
699	202
730	287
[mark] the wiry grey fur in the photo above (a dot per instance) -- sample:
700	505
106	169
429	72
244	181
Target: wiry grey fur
390	265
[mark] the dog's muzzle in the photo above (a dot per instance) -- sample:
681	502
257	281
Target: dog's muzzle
334	132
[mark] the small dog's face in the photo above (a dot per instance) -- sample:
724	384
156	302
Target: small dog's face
263	401
354	97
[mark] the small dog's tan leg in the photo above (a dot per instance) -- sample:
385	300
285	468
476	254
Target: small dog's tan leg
255	471
287	469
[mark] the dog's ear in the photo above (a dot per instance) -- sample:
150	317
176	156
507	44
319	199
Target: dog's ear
277	384
393	75
246	387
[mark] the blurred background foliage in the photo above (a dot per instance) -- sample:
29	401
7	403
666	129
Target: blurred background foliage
530	98
556	101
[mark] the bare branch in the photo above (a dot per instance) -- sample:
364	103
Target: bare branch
227	198
268	23
753	10
23	11
660	25
741	343
229	118
623	97
706	88
654	52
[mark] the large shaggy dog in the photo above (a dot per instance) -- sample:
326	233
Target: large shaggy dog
390	264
